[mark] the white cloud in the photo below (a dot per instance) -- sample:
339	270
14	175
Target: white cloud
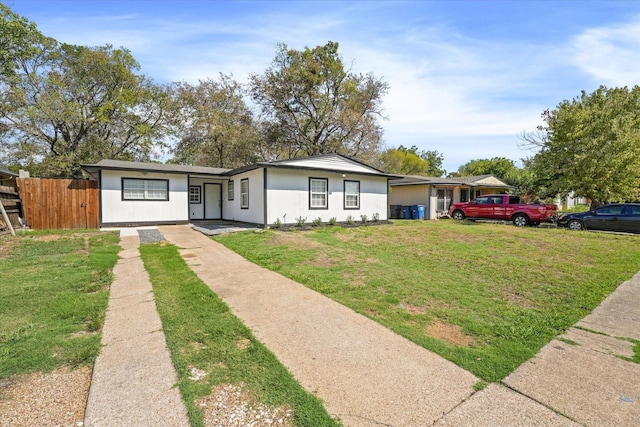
611	55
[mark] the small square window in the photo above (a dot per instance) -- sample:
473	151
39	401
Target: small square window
194	194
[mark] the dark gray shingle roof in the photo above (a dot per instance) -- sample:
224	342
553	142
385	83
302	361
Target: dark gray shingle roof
154	167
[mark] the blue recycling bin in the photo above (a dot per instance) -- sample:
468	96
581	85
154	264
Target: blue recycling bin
417	212
405	212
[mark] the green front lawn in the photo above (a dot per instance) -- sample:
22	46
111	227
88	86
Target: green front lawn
54	289
485	296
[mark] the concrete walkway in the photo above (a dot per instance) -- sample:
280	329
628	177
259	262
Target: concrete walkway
582	374
365	374
133	381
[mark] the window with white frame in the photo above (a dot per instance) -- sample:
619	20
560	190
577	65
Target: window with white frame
194	194
145	189
244	193
230	190
445	197
352	194
318	193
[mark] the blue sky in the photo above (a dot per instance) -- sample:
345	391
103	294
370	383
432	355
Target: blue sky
466	77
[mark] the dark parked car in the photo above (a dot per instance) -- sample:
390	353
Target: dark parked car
624	217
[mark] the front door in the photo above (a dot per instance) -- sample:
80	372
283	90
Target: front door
444	200
212	201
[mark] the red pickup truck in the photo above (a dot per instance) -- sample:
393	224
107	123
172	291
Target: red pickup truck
504	207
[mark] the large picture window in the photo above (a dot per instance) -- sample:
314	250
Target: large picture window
230	190
352	194
145	189
244	193
318	193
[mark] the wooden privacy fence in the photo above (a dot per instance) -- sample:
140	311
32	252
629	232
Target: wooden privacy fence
50	203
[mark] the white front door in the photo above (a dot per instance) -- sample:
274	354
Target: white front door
212	201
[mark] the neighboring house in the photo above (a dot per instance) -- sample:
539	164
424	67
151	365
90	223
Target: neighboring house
570	201
325	187
437	194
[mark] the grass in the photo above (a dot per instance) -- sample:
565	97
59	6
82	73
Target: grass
53	298
484	296
636	352
202	333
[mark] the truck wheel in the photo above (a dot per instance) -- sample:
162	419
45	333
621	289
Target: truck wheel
459	215
520	220
575	224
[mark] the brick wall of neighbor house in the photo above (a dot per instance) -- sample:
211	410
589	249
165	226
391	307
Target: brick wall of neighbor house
59	203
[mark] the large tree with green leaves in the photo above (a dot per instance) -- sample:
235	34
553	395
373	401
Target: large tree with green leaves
500	167
19	39
591	146
408	161
212	124
522	180
313	105
62	105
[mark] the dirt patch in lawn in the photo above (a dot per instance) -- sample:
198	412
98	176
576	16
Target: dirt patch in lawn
355	280
294	240
413	309
344	237
243	343
452	334
516	299
322	260
48	238
6	245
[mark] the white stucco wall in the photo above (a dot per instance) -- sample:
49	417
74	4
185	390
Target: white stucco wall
114	210
231	209
288	196
197	210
